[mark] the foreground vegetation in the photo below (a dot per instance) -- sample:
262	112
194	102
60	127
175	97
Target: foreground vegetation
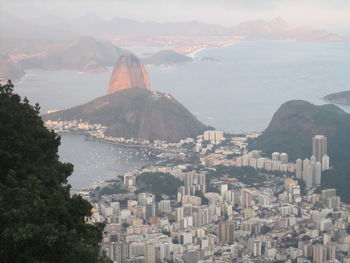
39	220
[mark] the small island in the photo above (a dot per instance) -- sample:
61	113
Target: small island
342	98
166	57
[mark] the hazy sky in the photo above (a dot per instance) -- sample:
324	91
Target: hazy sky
333	15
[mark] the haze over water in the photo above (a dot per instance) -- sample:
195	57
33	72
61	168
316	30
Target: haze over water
238	93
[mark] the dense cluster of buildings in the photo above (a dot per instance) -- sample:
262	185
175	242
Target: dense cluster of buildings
277	162
310	170
273	222
75	126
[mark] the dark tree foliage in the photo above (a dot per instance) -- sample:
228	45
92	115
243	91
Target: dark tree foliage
158	184
109	190
39	221
338	178
247	175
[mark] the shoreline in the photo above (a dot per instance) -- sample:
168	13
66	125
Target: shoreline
126	145
88	137
195	52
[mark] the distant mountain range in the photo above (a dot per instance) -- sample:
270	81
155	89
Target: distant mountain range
137	113
278	29
166	57
253	30
342	98
54	28
82	54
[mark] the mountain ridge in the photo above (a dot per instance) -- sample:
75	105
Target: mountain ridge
90	24
83	54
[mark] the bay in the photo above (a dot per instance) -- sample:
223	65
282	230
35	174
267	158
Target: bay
238	91
95	162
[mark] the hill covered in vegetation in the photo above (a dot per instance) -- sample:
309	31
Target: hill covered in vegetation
166	57
296	122
292	128
158	184
82	54
137	113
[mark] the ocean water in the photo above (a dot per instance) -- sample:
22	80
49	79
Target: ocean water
241	92
237	93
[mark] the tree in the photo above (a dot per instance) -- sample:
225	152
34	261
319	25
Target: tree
39	220
158	183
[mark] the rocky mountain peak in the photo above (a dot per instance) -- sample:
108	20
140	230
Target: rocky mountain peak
128	73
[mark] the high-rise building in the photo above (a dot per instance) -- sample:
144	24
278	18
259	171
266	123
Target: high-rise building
257	248
194	182
150	256
299	168
119	251
319	254
317	173
260	164
181	191
164	206
313	159
275	156
319	147
226	232
309	171
189	180
179	213
331	251
333	202
223	189
245	160
146	199
327	193
202	182
284	158
325	162
151	210
229	196
306	164
245	198
214	136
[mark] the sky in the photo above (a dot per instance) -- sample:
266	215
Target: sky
332	15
